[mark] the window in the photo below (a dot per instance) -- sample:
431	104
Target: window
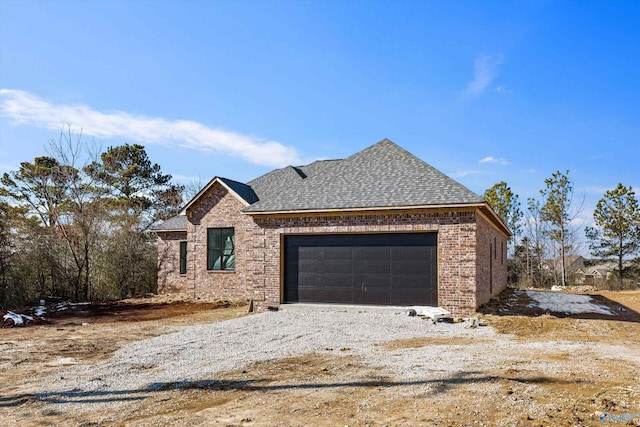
220	249
183	257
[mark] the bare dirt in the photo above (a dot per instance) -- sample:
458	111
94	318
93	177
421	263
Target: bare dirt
560	387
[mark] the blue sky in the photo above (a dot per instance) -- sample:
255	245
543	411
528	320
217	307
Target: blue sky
482	90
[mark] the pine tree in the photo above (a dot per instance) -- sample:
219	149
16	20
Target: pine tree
506	205
617	226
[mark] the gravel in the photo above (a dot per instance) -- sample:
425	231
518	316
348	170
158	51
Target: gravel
205	352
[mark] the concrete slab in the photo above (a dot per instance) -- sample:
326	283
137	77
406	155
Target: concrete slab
362	308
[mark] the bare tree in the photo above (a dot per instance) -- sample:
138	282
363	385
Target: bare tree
191	189
84	217
559	210
83	214
535	246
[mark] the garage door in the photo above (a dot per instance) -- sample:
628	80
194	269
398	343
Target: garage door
383	269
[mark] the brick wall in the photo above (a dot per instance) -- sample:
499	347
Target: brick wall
219	209
465	278
456	248
169	278
491	262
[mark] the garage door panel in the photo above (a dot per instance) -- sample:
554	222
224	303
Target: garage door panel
410	260
361	268
337	253
375	268
371	280
337	280
337	266
374	254
409	268
408	281
307	253
338	296
315	293
372	296
309	278
408	296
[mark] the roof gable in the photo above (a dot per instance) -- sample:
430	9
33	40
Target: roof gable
383	175
240	191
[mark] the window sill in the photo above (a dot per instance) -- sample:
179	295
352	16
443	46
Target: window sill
221	271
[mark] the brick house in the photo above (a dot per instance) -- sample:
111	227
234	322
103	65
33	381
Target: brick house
380	227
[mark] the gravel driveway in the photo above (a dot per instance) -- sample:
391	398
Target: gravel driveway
203	352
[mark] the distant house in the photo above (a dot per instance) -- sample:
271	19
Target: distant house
572	262
574	265
379	227
592	275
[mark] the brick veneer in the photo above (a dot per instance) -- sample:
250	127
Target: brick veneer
169	278
491	262
465	237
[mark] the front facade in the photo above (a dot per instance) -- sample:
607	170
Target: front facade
370	229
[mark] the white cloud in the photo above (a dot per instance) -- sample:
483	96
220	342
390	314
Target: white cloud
599	191
26	108
462	173
490	159
579	221
186	179
485	71
596	190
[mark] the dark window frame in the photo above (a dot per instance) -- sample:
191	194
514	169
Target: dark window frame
221	249
183	257
495	247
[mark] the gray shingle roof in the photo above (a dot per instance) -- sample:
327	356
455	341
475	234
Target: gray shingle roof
243	190
383	175
176	223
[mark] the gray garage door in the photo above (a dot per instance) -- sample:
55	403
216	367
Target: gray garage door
383	269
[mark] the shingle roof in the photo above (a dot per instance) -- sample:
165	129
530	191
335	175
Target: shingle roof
242	190
383	175
176	223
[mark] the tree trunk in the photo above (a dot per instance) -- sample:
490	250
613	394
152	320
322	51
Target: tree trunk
562	255
620	264
87	277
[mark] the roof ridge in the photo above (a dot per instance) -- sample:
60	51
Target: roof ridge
232	180
381	175
318	161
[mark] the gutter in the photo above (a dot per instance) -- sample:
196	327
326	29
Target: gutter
484	209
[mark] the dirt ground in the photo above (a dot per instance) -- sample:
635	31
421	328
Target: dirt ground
325	389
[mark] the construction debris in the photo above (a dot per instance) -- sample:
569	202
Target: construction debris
15	319
433	313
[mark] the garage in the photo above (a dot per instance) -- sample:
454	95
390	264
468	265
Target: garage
379	269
